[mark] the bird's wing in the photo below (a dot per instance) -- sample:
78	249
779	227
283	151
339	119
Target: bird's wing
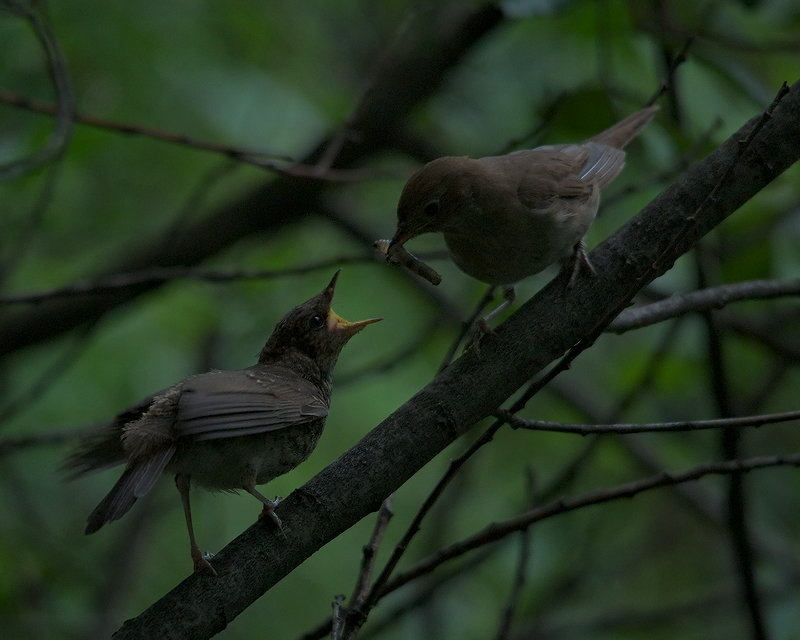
226	404
603	163
546	174
564	171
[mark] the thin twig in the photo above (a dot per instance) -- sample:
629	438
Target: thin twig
18	244
337	140
360	615
370	551
731	448
425	595
669	85
703	300
256	157
646	427
65	107
51	374
579	461
336	617
28	104
165	274
546	117
766	334
523	559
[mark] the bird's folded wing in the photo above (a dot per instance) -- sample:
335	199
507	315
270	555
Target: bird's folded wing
565	171
602	164
227	404
547	174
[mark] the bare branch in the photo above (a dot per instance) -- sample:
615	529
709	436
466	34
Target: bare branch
703	300
521	571
371	550
645	427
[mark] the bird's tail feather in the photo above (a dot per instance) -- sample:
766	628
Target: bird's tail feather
96	451
135	482
620	134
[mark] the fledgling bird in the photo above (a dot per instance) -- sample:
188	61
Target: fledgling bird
507	217
226	430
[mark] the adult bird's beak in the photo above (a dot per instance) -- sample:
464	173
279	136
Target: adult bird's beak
401	236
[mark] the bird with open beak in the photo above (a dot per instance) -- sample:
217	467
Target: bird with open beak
226	430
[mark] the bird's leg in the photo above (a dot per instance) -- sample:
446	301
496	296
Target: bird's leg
481	326
509	297
200	559
269	505
576	261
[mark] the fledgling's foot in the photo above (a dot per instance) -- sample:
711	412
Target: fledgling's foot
201	562
268	511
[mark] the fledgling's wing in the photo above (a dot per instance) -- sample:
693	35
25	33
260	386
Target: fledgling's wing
227	404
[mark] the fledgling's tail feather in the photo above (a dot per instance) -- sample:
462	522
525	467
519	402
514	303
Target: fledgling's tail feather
102	448
96	451
135	482
117	502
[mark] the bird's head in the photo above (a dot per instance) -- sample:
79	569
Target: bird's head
312	330
432	198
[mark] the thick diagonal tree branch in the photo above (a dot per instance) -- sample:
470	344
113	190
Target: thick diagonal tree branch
403	81
471	388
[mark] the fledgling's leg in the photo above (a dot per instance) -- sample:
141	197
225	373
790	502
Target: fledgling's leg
200	559
268	511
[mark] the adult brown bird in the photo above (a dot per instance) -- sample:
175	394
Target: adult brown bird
227	430
507	217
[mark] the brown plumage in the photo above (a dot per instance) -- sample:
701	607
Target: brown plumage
226	430
507	217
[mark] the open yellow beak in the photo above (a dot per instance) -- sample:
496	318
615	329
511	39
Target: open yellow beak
337	323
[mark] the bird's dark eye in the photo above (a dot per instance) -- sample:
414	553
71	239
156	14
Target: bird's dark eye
316	322
431	209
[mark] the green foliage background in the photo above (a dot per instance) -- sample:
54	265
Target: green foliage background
279	76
